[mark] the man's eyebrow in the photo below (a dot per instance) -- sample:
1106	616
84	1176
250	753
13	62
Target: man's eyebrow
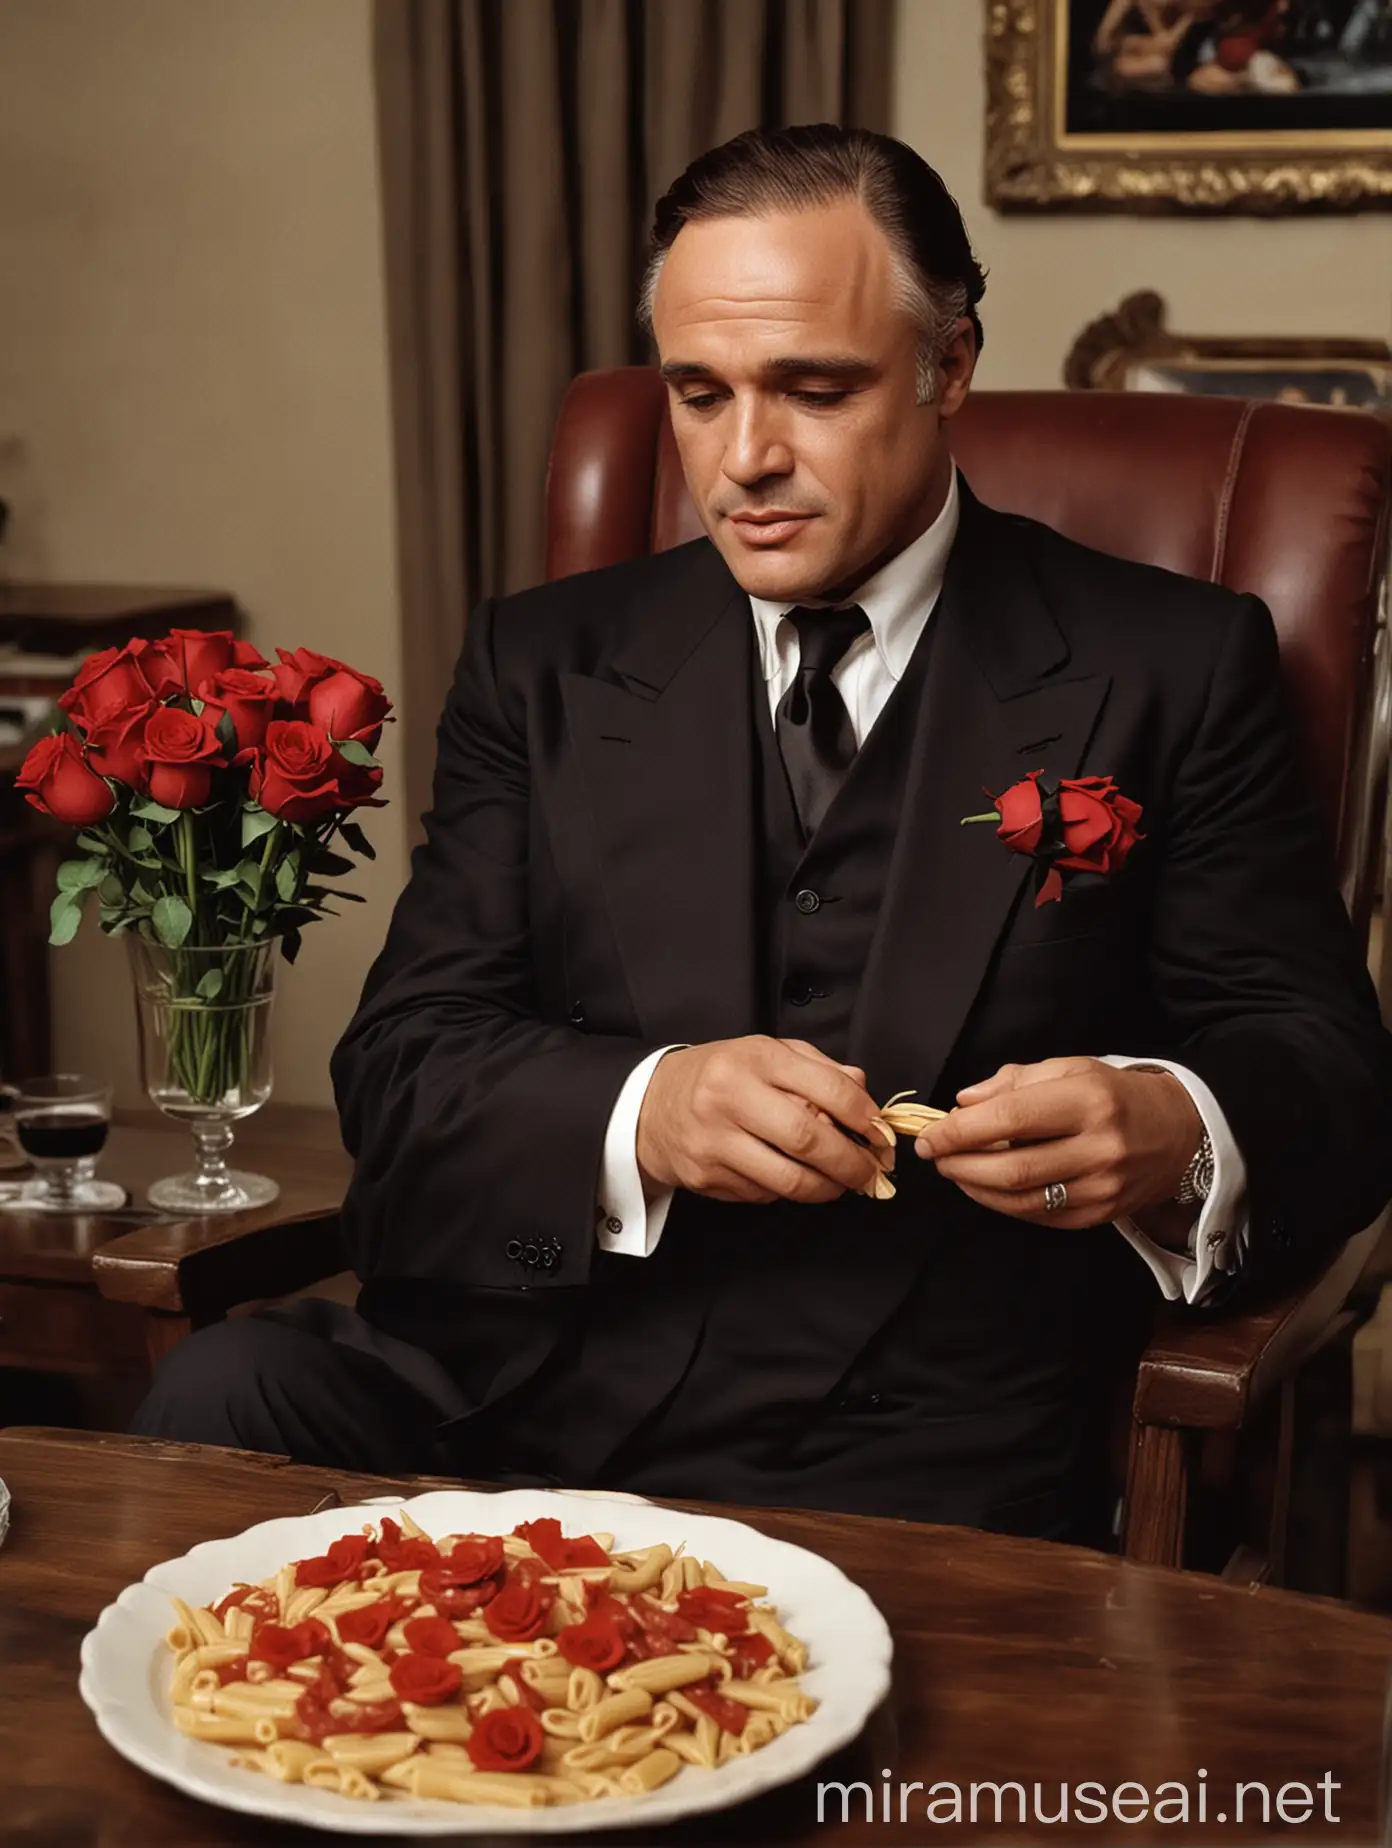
791	365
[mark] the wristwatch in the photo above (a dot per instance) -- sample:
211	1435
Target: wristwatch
1197	1180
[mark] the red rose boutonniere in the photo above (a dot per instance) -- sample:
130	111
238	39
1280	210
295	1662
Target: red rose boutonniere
1078	824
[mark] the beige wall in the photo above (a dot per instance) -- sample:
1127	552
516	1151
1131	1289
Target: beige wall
1051	274
193	375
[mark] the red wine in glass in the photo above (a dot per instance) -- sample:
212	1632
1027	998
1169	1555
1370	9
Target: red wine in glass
61	1135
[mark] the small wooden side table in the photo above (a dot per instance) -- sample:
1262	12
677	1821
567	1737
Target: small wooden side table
53	1315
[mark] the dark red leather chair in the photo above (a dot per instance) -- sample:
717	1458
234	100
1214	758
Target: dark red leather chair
1290	503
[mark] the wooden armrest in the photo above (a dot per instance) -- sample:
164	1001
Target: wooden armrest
1198	1374
201	1268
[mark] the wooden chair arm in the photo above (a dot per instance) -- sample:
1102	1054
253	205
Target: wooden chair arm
200	1268
1199	1374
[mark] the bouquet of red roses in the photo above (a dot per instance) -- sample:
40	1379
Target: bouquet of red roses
211	791
208	786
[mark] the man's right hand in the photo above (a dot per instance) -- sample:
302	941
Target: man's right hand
755	1119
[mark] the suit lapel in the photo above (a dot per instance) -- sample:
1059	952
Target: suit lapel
665	750
1001	699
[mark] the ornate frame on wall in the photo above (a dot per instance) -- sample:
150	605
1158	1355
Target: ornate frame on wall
1107	353
1032	162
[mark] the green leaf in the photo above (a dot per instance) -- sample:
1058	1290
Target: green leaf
140	840
111	891
145	810
357	840
93	842
227	734
81	875
333	864
220	877
65	914
210	987
357	753
255	823
287	877
290	945
172	920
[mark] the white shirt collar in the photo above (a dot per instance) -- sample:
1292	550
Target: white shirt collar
898	599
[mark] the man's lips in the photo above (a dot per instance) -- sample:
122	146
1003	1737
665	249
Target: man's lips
769	528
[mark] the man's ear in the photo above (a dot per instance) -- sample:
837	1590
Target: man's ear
956	368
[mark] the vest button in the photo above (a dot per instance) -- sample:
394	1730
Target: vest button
797	991
807	902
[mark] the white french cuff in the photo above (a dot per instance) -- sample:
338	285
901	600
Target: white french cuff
1218	1241
630	1224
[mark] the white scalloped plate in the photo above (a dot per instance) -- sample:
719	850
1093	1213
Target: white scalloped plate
126	1669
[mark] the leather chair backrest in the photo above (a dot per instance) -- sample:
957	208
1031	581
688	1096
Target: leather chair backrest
1286	501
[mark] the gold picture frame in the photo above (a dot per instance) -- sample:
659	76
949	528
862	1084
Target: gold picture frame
1131	349
1061	137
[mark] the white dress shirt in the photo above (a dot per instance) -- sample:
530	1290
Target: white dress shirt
899	600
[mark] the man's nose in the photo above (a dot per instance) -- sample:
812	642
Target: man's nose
757	448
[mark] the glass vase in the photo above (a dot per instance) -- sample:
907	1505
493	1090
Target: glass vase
204	1017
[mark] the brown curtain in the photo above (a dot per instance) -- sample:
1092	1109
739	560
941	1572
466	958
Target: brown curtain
523	144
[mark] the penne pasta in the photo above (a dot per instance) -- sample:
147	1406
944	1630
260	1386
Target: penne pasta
649	1772
354	1690
584	1689
630	1704
663	1672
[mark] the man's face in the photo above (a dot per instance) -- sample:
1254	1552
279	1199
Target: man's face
790	367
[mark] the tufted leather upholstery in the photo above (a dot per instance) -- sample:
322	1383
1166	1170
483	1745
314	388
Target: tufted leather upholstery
1282	500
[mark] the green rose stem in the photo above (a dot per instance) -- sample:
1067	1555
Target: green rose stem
993	816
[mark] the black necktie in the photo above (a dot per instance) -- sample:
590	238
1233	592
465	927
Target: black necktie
815	734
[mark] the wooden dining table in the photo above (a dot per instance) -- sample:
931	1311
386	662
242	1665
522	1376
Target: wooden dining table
1015	1662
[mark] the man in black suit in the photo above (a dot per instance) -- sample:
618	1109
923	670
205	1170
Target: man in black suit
696	899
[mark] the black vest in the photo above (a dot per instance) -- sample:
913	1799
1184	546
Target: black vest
821	899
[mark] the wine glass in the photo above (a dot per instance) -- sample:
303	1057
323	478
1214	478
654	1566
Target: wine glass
61	1123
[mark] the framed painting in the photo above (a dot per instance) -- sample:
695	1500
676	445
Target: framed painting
1189	105
1131	349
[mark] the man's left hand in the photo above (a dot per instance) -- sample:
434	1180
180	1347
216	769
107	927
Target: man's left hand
1118	1139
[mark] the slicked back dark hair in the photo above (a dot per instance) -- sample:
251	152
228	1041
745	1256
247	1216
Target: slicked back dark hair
796	169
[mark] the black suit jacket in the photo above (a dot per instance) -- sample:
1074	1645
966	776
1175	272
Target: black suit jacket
587	893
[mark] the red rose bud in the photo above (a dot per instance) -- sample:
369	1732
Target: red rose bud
57	780
471	1560
519	1612
249	701
370	1622
507	1739
349	705
181	749
595	1644
299	776
299	671
424	1679
116	744
1099	824
196	655
274	1643
1021	814
545	1539
431	1636
1083	824
343	1561
107	682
